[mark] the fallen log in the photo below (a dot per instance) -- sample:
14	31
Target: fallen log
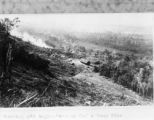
27	100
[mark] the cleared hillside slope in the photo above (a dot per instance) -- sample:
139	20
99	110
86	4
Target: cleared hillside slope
44	77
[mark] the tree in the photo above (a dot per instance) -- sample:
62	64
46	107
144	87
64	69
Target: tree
6	47
6	25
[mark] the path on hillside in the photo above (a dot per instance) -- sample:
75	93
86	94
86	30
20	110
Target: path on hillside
118	94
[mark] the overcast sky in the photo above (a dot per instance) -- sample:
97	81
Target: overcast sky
132	23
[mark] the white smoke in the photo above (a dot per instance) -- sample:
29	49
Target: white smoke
29	38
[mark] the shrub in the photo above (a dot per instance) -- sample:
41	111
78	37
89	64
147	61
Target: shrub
6	25
124	72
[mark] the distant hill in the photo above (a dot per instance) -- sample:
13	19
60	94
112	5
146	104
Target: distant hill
136	43
133	43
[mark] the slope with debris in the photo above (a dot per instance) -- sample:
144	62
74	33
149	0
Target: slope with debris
105	92
43	77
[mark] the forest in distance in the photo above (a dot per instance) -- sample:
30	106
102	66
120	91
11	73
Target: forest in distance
43	69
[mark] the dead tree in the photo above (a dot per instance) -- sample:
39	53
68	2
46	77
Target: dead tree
6	47
6	60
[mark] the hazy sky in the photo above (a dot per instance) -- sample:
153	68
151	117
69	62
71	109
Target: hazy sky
132	23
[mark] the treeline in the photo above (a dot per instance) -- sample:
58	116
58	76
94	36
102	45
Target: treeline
138	44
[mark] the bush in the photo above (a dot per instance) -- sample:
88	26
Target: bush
125	72
96	69
6	25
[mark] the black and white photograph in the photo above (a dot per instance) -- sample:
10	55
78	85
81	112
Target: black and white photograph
53	60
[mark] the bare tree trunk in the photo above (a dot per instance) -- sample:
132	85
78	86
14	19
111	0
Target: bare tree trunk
6	62
9	62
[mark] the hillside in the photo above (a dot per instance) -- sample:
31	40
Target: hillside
44	77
